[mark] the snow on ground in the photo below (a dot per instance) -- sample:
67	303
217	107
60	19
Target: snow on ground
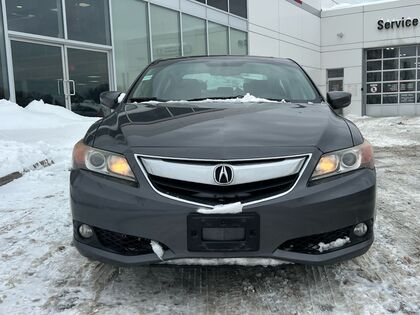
42	273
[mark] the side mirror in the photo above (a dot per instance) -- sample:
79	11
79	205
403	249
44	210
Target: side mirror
109	98
338	99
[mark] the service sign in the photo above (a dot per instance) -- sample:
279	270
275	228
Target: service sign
404	22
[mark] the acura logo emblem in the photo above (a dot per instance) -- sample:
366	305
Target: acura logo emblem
223	174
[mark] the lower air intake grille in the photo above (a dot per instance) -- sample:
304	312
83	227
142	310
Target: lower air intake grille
123	244
310	244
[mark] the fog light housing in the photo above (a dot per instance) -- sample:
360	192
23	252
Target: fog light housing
360	229
85	231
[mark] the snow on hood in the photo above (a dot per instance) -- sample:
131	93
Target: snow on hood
247	98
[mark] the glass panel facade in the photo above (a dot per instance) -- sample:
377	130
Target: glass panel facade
218	39
166	41
4	89
392	76
38	71
238	42
88	21
131	42
193	35
89	71
35	17
238	7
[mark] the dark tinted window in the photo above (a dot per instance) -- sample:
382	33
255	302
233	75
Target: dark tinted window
373	99
373	76
390	98
390	75
408	63
238	7
88	21
407	74
220	4
374	54
35	17
335	73
408	51
390	64
374	65
391	52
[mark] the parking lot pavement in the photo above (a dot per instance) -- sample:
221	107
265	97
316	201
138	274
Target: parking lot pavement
41	272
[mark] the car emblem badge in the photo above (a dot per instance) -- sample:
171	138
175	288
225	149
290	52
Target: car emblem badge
223	174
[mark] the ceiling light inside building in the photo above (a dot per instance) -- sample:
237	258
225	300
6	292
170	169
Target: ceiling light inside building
19	6
84	4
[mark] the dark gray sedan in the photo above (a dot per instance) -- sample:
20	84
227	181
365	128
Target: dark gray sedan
223	157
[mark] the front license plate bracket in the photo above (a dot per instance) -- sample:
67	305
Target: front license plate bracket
223	232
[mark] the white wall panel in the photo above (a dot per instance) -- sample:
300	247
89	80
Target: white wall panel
341	59
351	26
264	14
260	45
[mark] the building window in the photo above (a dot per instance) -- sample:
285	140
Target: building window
193	36
35	17
88	21
131	41
219	4
166	41
4	90
238	7
392	75
335	79
238	42
218	39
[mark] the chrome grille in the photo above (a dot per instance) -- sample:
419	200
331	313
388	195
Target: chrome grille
194	181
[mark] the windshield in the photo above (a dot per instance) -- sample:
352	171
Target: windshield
223	79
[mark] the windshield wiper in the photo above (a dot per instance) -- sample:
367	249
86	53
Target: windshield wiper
145	99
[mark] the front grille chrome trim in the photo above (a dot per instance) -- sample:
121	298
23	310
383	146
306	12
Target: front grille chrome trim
138	157
204	173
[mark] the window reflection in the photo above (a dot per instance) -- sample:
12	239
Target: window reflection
165	32
218	39
193	35
35	17
88	21
131	42
238	42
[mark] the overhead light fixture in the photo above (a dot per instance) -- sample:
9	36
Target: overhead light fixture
19	6
84	4
94	76
94	81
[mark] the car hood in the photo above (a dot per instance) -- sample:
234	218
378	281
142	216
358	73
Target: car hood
225	125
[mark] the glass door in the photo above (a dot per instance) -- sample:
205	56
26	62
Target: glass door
38	73
88	78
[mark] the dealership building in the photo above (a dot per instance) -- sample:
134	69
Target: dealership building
68	51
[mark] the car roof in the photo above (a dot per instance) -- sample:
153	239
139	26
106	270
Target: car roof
225	57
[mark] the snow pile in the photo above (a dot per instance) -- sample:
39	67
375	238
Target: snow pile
357	3
37	132
389	131
247	98
339	242
220	209
157	249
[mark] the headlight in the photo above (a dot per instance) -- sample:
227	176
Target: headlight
101	161
343	161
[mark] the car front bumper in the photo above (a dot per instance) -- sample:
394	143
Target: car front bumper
327	206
